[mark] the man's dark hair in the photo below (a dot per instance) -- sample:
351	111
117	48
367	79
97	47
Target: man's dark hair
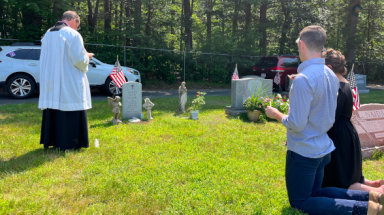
314	37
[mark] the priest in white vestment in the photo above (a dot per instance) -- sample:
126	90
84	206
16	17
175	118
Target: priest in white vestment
64	89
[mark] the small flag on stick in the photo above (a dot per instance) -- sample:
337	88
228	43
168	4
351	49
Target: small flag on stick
117	74
277	78
235	75
352	83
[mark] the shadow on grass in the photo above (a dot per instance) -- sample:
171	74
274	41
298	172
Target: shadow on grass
105	124
28	161
291	211
244	117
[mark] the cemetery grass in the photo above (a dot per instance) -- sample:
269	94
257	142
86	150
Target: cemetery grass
170	165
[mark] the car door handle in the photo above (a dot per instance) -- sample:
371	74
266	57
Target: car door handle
32	64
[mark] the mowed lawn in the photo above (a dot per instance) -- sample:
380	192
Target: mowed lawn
170	165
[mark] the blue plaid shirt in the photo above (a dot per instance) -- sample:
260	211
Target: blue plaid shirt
313	100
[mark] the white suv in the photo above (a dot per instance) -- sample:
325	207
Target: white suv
20	71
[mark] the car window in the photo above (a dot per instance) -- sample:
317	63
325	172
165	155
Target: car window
32	55
38	53
291	62
18	54
92	61
267	62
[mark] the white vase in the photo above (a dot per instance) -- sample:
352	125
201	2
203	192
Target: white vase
194	114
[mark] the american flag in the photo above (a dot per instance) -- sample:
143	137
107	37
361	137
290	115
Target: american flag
352	82
117	75
235	75
277	78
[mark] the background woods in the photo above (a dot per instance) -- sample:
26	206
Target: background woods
238	28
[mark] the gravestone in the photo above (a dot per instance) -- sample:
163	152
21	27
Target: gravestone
132	100
241	89
361	83
368	121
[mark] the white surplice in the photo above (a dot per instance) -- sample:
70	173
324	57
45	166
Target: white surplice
63	65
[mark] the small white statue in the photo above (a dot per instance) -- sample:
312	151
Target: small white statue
148	105
182	98
115	105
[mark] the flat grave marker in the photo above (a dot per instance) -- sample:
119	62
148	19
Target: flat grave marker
368	121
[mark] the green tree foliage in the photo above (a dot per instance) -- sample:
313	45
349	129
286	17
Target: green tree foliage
237	28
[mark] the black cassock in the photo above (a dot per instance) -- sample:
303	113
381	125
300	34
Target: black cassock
346	163
64	129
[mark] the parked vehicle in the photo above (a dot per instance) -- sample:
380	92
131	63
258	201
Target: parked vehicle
284	64
20	71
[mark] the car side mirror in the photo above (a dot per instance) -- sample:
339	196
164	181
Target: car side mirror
93	64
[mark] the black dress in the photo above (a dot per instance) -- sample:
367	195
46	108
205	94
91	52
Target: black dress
346	163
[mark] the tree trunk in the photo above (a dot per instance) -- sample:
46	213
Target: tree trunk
181	26
209	11
107	14
90	16
2	19
96	13
148	24
137	22
188	24
172	18
284	30
121	16
57	10
351	31
235	16
128	14
248	17
116	16
263	28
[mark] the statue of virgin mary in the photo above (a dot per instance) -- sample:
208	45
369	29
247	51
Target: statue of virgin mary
182	98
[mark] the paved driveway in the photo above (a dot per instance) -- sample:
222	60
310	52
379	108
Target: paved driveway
98	96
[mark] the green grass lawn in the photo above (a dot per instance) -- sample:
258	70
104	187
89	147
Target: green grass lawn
170	165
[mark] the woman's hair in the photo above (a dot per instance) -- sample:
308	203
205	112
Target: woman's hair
336	60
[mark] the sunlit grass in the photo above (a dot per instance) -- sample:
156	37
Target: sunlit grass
170	165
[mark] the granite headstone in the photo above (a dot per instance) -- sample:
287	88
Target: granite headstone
368	121
132	100
361	83
241	89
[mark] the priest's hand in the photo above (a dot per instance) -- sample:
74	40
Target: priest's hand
90	55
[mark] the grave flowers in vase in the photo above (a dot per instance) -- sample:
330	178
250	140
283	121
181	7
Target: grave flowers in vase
197	103
256	104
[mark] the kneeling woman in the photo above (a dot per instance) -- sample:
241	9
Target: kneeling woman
345	168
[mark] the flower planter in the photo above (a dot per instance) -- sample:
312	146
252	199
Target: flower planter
194	114
254	115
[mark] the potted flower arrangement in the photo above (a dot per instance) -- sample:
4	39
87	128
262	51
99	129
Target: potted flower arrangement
196	105
255	104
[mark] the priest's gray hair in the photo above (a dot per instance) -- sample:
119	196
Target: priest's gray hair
69	15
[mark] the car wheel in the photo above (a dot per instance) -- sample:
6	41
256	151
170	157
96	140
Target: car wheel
21	87
111	88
